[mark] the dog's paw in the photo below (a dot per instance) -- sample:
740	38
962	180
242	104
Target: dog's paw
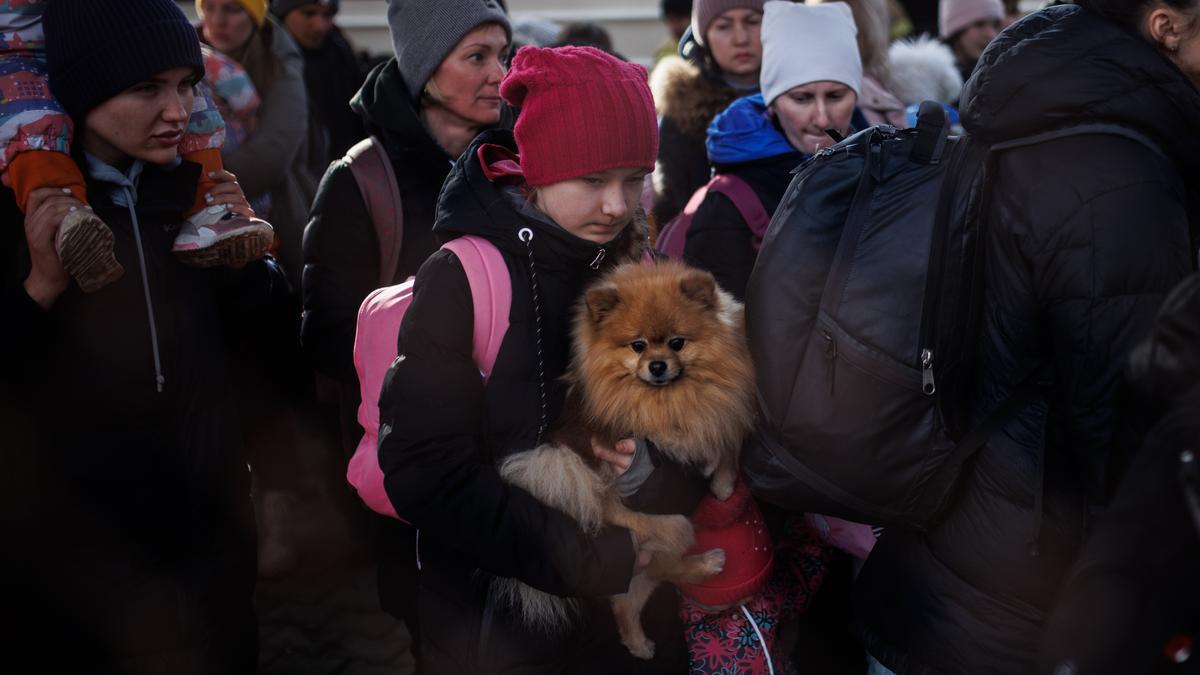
714	561
722	487
642	648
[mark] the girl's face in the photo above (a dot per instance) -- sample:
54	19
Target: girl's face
734	41
227	25
806	111
970	42
145	122
467	83
595	207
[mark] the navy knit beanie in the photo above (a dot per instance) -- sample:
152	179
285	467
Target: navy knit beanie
96	49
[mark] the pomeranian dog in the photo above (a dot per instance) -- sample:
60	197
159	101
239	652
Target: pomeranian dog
659	353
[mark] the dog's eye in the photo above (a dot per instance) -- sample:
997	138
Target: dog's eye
638	346
676	344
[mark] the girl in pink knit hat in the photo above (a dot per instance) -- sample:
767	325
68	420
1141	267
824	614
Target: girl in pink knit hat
558	199
969	26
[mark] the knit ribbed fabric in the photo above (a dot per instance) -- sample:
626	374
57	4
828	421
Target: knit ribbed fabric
808	43
955	15
280	8
735	526
582	111
705	12
257	9
425	31
96	49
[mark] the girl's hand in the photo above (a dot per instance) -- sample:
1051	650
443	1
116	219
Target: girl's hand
620	456
227	192
44	213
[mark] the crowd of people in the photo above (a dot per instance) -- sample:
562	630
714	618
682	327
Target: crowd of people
194	215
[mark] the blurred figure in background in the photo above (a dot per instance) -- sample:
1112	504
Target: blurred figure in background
969	26
275	159
721	58
676	15
332	73
586	35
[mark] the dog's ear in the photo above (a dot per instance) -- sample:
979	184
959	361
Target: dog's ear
700	287
601	301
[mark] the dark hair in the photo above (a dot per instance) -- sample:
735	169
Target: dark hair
1128	14
676	7
585	35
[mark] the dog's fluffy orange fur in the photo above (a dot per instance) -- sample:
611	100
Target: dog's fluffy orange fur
660	353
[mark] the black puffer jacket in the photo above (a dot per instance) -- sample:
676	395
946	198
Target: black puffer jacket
341	251
1086	236
719	240
688	97
442	432
139	553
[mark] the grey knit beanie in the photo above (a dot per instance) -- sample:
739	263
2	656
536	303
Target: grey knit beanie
280	8
425	31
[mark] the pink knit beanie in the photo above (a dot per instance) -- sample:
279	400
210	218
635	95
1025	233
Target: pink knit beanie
582	111
955	15
704	12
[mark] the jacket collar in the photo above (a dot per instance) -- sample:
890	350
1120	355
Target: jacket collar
472	202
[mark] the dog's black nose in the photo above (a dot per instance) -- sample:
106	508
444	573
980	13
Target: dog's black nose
658	368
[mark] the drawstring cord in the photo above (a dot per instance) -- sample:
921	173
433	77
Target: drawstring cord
159	380
526	237
761	640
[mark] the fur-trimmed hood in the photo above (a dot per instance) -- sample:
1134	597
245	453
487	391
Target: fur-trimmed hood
688	95
923	69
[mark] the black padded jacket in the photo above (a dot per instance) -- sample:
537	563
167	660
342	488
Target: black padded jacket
1085	237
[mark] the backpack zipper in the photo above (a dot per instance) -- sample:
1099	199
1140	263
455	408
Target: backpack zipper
831	354
936	274
928	386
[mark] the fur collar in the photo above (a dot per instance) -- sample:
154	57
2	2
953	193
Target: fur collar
688	96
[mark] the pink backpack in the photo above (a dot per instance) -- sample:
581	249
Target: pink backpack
673	236
375	348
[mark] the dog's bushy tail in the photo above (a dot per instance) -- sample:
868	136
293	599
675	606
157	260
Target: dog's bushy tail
559	478
539	610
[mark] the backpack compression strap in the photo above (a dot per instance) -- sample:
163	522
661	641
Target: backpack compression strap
747	202
491	294
372	171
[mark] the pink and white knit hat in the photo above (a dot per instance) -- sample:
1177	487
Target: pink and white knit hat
955	15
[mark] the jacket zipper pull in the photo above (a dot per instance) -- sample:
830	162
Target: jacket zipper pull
595	264
831	354
928	386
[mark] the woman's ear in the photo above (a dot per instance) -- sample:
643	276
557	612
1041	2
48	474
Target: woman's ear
1167	27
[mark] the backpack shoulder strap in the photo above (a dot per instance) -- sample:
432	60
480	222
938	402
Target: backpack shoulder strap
491	296
372	171
1107	128
747	202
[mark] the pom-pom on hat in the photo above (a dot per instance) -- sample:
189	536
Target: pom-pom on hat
956	15
808	43
735	526
582	111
